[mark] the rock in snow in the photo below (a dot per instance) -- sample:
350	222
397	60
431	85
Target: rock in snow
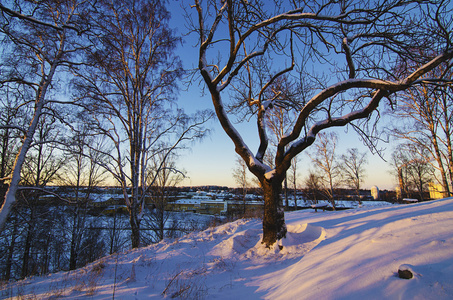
405	272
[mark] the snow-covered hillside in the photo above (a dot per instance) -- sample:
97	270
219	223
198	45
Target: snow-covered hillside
351	254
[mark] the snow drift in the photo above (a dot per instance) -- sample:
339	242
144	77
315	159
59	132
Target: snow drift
348	254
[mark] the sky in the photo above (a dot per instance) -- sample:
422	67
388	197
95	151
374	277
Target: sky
211	161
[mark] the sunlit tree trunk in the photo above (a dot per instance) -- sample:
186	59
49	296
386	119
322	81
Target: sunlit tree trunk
274	227
10	197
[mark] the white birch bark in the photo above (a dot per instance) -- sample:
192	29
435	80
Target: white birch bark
10	197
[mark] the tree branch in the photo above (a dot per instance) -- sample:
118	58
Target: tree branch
15	14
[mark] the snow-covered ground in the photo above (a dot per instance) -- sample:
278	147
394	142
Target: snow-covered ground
350	254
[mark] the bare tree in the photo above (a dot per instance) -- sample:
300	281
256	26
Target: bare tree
240	175
81	175
353	170
420	171
40	168
280	119
325	162
129	88
413	171
426	121
34	53
399	163
359	45
165	174
11	119
313	185
43	162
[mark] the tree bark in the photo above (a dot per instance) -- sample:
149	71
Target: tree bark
113	234
27	246
10	197
135	229
75	234
9	256
274	227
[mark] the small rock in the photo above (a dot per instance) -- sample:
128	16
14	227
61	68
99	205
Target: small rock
405	272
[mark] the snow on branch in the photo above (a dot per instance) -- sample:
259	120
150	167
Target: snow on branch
428	66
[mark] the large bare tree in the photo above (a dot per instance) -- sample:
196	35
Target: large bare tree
344	50
128	87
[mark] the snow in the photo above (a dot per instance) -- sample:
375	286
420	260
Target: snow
349	254
270	174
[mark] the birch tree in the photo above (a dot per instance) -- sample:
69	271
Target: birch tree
346	50
128	88
40	168
279	118
11	119
313	185
38	40
399	163
420	171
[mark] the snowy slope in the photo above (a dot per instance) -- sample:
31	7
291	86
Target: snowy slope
351	254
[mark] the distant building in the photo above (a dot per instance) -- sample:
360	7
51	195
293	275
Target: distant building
375	192
399	194
436	191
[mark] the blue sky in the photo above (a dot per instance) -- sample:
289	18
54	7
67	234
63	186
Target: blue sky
211	161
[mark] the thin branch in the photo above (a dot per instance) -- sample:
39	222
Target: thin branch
23	130
23	188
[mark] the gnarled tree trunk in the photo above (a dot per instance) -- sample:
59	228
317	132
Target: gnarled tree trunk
274	227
